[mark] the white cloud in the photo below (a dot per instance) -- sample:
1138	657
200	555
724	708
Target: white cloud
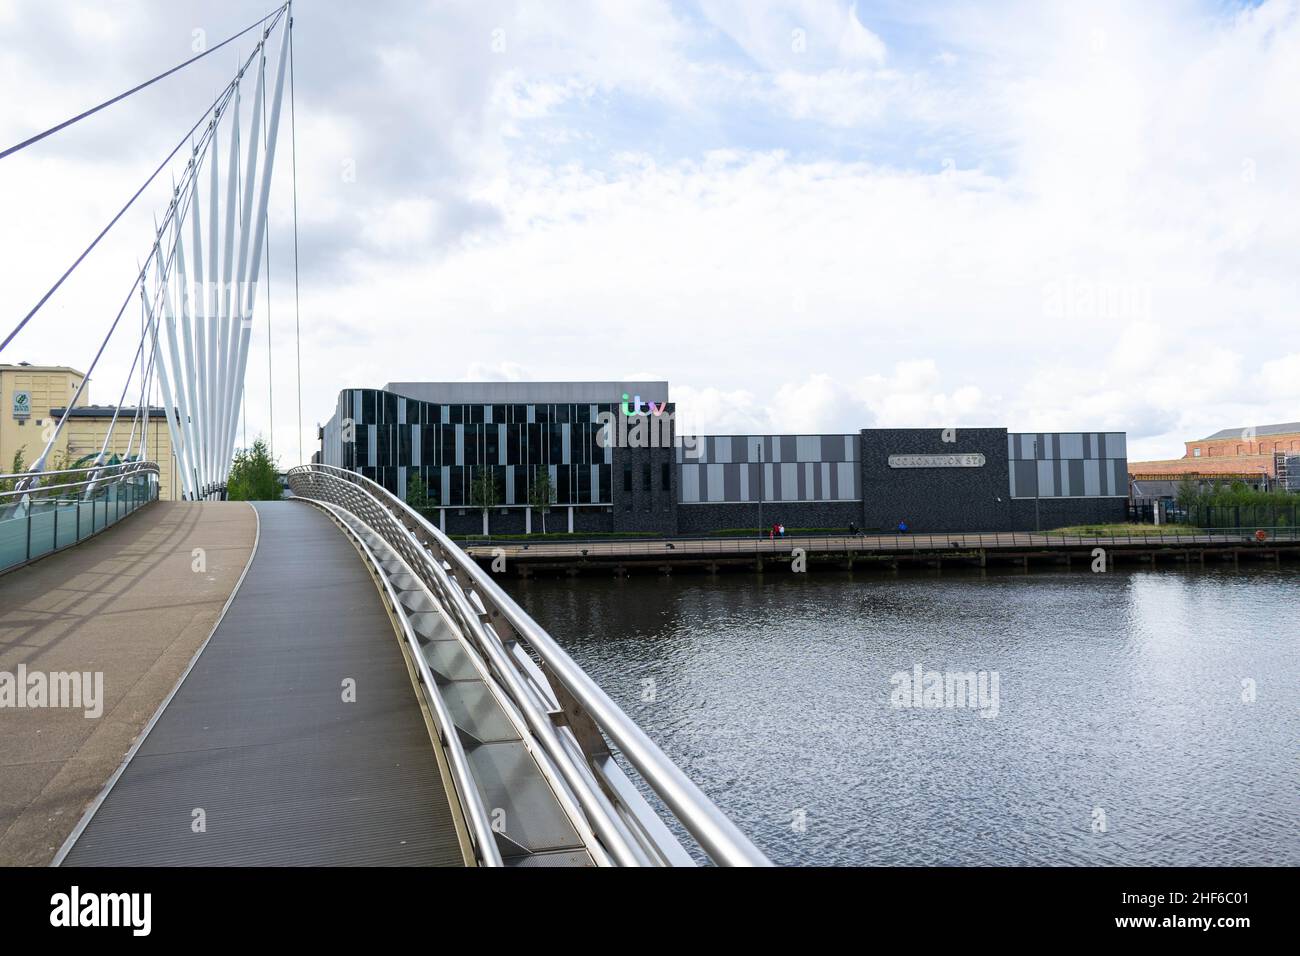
914	396
712	411
1281	377
816	404
859	43
500	372
774	231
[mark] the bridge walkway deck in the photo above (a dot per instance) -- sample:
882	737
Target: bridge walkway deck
258	758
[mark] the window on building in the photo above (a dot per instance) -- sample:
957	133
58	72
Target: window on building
666	476
403	444
555	443
627	478
429	447
1196	453
645	477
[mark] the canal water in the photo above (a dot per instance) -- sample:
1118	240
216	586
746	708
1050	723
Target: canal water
1144	717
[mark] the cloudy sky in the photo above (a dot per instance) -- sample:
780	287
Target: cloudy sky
806	215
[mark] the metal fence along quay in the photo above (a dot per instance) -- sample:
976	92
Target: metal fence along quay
68	506
954	542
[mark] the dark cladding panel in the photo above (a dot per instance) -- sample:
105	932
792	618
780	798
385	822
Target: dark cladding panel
937	497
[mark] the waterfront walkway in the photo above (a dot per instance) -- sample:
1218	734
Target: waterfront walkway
295	739
130	604
887	549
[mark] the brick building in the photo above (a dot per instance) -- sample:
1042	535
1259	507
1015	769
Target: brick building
1231	454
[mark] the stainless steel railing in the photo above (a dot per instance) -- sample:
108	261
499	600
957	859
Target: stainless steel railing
47	511
574	747
478	822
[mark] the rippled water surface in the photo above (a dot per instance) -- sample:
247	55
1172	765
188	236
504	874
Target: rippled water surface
1120	702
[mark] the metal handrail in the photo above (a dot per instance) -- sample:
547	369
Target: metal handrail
571	780
526	708
487	852
99	475
33	511
717	835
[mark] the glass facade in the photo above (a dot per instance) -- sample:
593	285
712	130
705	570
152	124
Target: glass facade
463	430
392	439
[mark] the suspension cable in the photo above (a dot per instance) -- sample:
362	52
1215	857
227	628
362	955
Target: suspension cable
136	89
270	378
297	315
142	406
117	411
217	104
175	213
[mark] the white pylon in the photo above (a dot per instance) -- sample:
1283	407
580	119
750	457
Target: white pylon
258	224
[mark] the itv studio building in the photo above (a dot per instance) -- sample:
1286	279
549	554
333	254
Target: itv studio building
616	462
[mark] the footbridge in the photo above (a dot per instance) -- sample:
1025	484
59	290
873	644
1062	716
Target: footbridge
322	680
366	695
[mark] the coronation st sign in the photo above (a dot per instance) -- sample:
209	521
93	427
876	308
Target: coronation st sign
974	460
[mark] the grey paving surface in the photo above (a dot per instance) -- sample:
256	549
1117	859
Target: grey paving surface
131	604
260	739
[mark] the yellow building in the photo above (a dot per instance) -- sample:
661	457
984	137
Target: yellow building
27	393
35	396
83	436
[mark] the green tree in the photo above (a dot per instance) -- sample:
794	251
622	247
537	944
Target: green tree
1225	504
253	475
484	493
542	494
417	495
19	466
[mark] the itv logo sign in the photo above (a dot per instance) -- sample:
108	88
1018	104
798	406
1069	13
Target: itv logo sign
633	406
